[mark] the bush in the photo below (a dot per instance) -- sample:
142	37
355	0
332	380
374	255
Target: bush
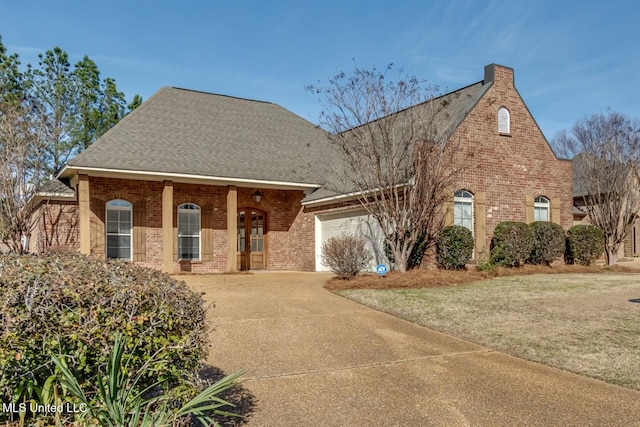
585	244
549	242
416	255
346	254
73	305
511	244
454	247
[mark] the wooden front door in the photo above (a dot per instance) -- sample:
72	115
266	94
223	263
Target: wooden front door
251	247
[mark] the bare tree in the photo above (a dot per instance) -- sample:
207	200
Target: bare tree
393	154
21	168
605	168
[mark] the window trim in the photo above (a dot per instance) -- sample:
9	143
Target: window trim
190	208
118	205
464	197
540	202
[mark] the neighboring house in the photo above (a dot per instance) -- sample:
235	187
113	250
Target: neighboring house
631	244
199	182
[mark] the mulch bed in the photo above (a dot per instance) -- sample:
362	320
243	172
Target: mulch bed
420	278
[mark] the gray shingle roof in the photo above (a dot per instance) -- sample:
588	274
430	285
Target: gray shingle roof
56	187
188	132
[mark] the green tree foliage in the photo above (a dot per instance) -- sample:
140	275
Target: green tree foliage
57	101
86	78
11	79
135	103
75	105
112	106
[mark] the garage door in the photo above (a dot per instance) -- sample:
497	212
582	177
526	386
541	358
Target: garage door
358	223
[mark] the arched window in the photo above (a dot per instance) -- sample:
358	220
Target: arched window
119	227
541	209
504	120
188	231
463	209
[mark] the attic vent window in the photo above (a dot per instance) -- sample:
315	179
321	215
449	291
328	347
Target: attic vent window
504	121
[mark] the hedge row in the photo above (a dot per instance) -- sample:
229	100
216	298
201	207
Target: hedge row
542	242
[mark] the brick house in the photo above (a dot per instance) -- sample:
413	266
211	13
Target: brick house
631	243
199	182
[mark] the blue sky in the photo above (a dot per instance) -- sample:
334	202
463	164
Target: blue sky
571	58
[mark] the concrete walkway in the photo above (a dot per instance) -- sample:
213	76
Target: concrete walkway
316	359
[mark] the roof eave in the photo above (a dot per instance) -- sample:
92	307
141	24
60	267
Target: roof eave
331	199
70	171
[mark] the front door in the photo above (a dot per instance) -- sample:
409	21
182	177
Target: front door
251	248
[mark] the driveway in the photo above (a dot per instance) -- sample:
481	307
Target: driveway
316	359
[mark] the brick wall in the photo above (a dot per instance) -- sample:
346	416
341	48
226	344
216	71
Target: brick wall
509	167
289	231
56	227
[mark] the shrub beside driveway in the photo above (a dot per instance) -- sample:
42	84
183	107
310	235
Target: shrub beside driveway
584	323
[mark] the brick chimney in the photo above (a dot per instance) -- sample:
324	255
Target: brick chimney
498	74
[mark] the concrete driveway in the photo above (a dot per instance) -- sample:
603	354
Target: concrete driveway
316	359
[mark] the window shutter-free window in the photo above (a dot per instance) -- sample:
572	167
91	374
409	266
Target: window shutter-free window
189	231
119	226
504	121
463	209
541	209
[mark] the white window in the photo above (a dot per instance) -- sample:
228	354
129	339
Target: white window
504	121
463	209
188	231
541	209
119	226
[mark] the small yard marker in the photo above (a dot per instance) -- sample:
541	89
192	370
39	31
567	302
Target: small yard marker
381	269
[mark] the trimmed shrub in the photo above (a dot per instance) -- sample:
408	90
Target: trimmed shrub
346	254
511	243
549	242
454	247
74	305
416	255
585	244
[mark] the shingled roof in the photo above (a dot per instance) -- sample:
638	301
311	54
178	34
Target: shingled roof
450	111
179	131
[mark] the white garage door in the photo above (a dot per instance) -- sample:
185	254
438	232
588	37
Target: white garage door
355	222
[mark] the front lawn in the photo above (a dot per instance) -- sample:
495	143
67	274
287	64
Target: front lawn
584	323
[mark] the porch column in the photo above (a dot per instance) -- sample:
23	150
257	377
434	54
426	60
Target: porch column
85	214
232	227
167	227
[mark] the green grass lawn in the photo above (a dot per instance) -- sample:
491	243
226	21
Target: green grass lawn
584	323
